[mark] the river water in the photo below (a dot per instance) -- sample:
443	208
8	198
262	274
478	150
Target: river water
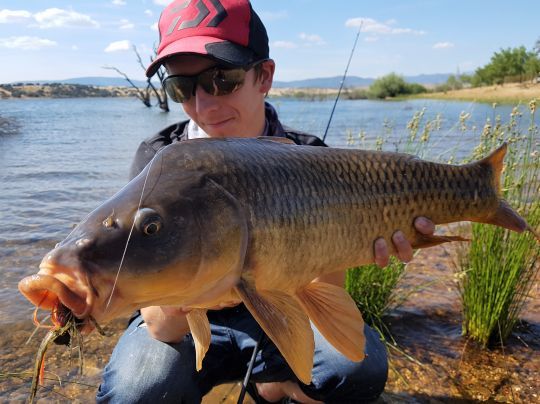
59	158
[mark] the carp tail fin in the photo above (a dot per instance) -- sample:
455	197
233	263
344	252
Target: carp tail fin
505	216
200	330
285	323
336	316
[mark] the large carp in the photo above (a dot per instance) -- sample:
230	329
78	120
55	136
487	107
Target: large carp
257	220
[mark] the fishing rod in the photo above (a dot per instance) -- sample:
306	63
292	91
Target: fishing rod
342	81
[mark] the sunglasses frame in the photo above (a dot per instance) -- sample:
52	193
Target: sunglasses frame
171	83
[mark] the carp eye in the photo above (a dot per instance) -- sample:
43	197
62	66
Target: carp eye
148	221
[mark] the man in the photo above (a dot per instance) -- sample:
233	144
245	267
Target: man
216	54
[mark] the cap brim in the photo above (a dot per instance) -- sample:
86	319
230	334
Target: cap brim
225	51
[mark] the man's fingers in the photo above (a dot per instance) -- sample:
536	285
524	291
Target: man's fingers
424	225
380	249
403	247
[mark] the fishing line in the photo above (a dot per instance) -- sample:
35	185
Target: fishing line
342	81
129	235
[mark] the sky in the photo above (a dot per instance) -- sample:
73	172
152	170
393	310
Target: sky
61	39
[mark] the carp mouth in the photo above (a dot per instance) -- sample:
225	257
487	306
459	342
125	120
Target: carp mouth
50	289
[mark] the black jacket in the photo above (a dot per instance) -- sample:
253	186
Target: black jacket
178	132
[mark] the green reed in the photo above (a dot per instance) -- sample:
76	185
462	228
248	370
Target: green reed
498	267
373	290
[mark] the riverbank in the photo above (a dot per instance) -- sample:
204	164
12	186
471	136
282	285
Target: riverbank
59	90
511	93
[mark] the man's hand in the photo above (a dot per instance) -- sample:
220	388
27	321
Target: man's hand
166	323
402	245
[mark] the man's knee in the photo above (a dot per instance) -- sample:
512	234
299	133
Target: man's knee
337	379
142	369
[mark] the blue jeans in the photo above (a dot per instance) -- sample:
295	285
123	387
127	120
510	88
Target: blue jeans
145	370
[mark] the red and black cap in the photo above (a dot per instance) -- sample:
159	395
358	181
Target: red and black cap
226	30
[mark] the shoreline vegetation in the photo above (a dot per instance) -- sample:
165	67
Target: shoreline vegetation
510	93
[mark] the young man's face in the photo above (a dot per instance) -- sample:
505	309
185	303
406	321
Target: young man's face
239	114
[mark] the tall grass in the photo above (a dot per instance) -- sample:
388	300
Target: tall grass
374	291
499	267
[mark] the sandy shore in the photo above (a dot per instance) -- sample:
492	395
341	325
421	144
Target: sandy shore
508	93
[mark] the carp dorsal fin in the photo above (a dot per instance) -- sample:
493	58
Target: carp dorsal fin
495	160
200	331
336	316
277	139
285	323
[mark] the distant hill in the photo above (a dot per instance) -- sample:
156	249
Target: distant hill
356	81
321	82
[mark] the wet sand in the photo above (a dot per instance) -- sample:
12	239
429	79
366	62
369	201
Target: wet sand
427	327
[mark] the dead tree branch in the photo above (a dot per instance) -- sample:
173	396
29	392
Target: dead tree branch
144	96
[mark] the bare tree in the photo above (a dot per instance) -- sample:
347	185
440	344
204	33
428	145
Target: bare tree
161	95
144	96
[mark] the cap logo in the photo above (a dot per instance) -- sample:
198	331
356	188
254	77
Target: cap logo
202	13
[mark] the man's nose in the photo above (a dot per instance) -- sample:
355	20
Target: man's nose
205	102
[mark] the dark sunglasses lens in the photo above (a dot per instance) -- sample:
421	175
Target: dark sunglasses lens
180	89
222	81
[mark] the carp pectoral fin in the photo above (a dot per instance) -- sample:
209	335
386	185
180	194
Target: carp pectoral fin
426	240
278	139
200	330
336	316
284	321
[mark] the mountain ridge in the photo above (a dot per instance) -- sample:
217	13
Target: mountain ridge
318	82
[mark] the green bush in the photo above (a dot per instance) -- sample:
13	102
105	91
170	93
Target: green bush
373	290
393	85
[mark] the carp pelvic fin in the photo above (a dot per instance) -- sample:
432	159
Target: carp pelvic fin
336	316
426	240
200	330
277	139
284	321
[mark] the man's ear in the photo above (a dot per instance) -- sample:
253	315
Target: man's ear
267	76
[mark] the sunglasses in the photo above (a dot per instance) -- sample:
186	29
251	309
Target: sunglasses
215	81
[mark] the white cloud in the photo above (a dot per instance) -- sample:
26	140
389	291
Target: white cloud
56	18
375	27
443	45
14	16
284	45
125	24
273	15
149	13
154	26
162	2
119	2
311	39
118	46
26	43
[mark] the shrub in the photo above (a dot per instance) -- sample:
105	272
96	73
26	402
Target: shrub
393	85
